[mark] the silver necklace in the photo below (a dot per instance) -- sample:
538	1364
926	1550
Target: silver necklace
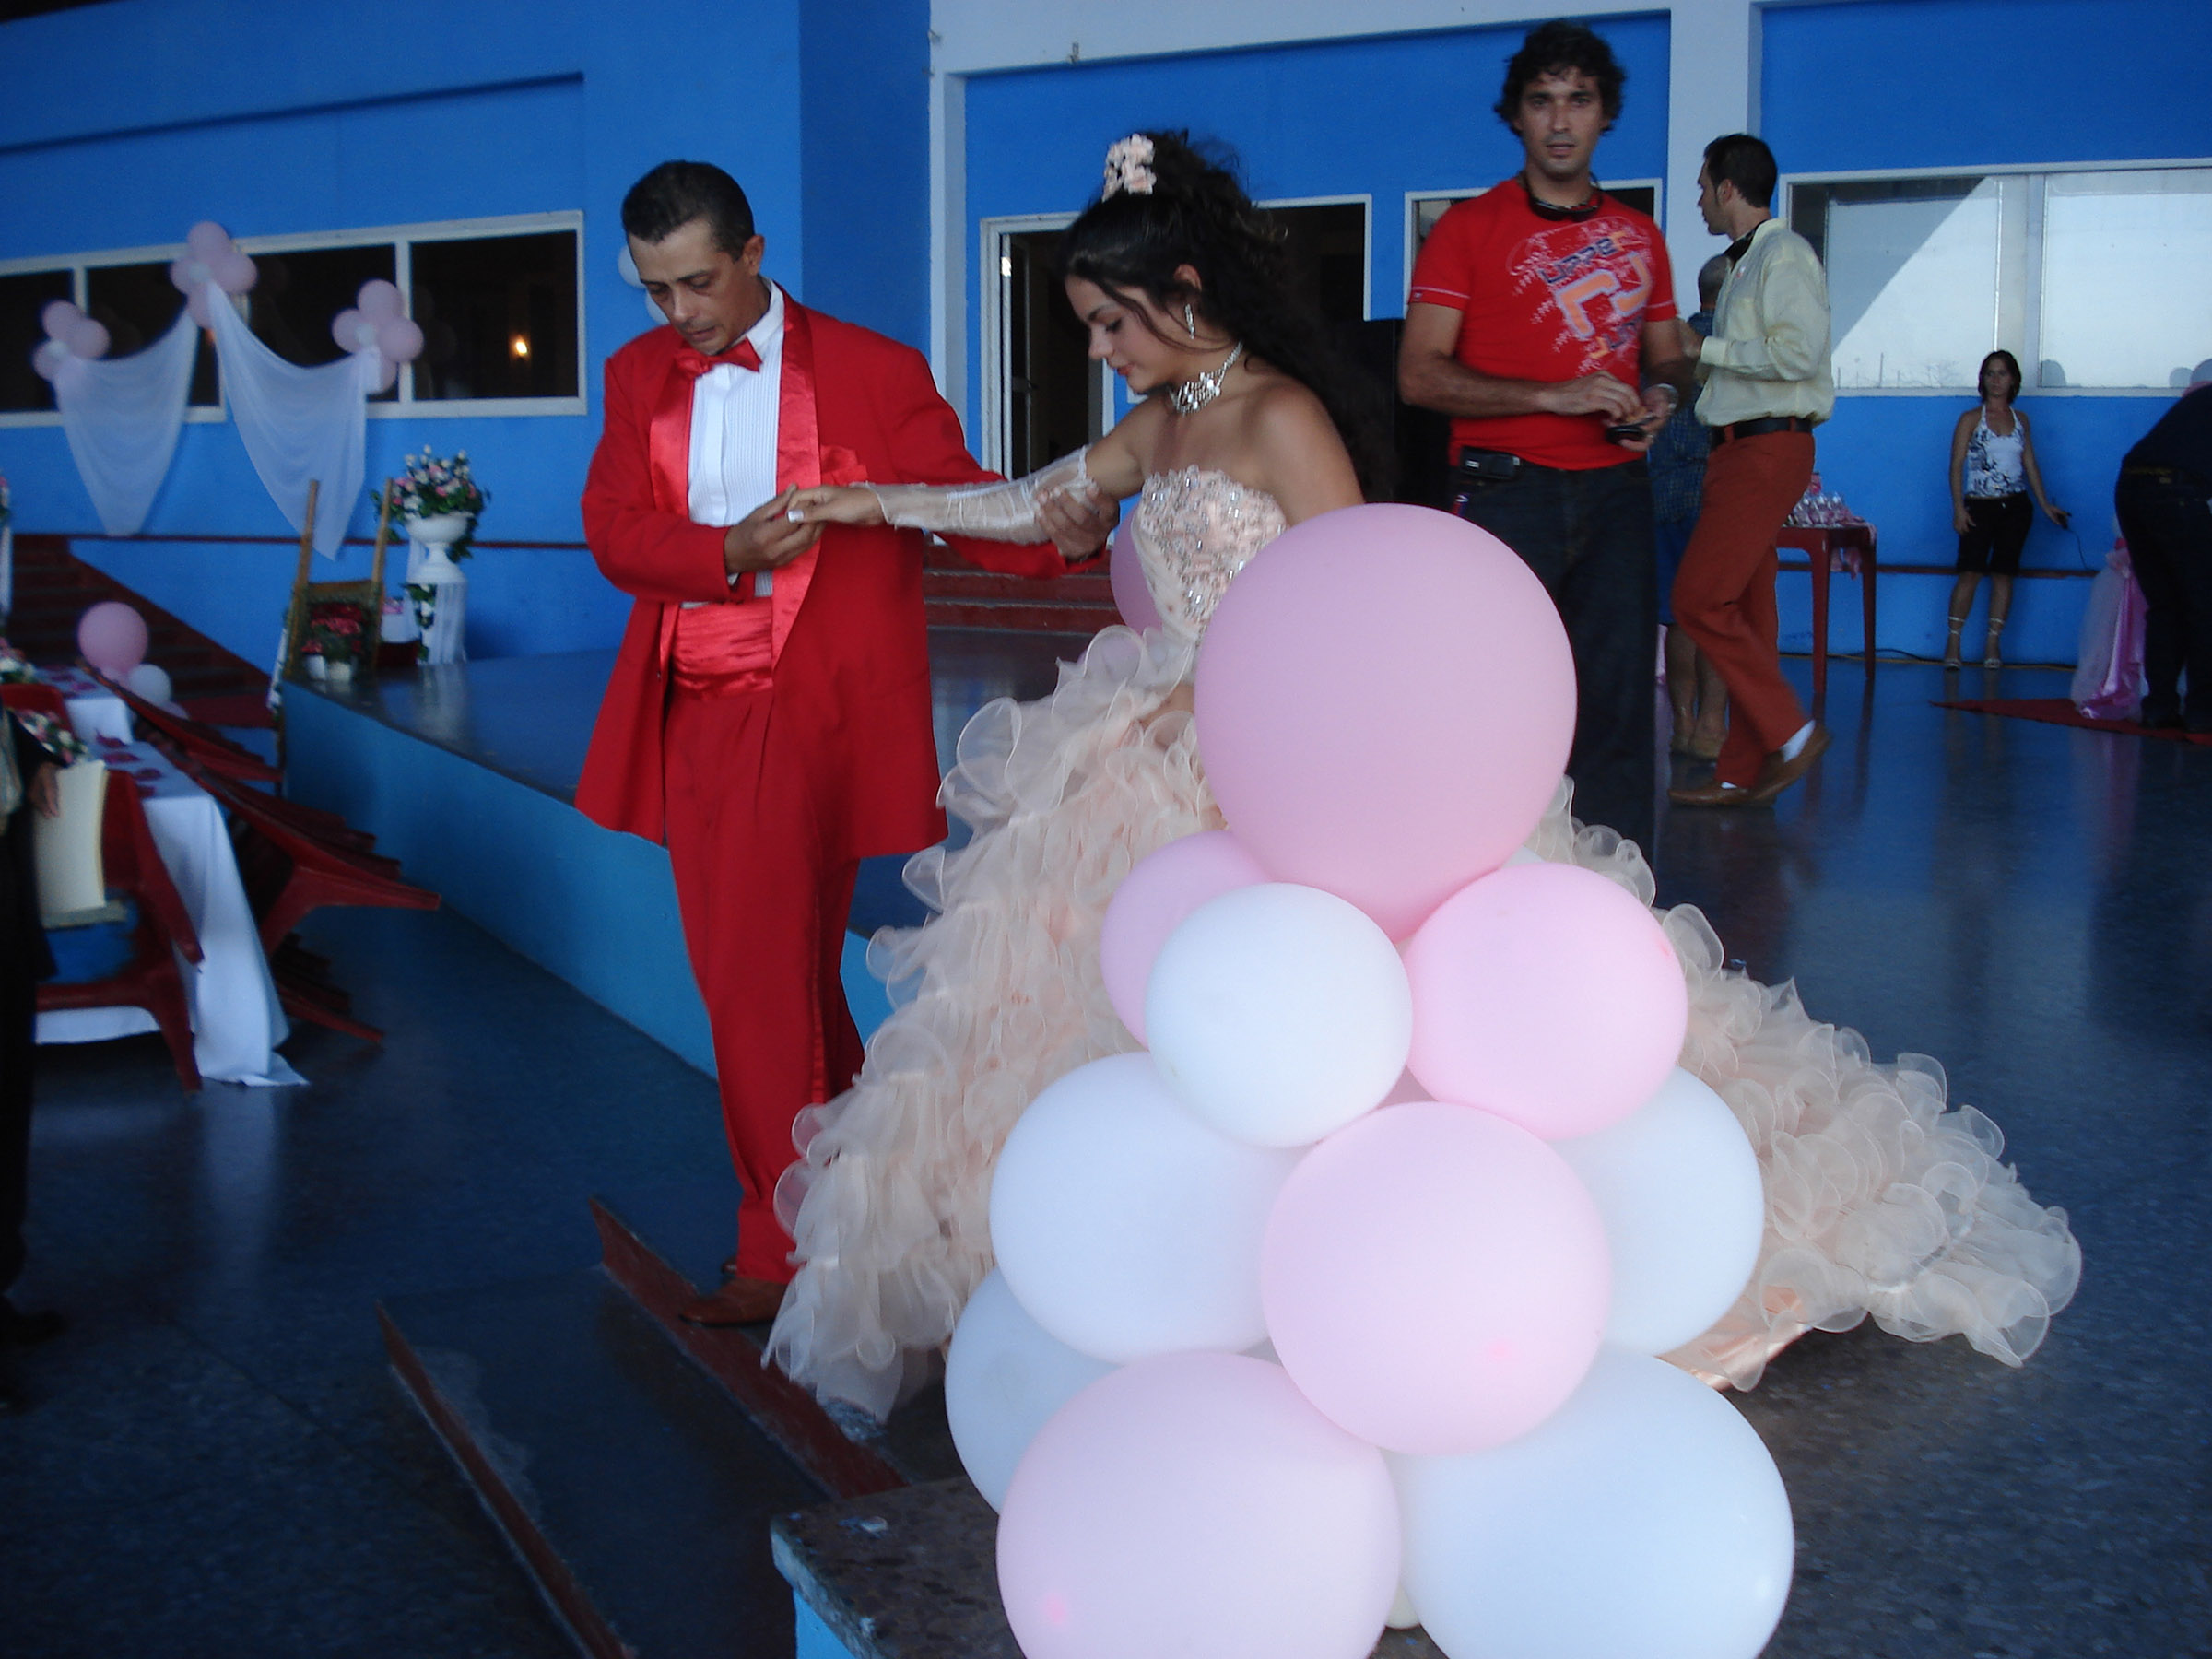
1187	397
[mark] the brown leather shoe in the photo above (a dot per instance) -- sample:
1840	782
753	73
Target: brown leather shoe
1779	774
740	1301
1715	794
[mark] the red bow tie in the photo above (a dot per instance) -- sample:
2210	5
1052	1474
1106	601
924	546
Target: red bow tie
695	362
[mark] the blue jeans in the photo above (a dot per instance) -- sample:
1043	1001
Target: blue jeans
1588	537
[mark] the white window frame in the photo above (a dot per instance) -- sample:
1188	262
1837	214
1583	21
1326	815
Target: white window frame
1463	193
2020	274
403	238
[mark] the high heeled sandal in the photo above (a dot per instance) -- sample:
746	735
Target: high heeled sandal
1950	648
1991	657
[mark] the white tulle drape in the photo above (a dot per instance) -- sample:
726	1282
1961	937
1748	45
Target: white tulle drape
298	424
122	419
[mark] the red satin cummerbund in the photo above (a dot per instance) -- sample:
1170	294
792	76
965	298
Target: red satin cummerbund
721	650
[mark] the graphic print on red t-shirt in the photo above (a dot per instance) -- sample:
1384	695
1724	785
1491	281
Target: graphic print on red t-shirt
1546	299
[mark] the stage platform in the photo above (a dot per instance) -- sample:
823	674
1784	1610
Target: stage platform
467	774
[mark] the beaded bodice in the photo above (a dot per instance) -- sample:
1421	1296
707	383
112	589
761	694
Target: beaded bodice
1195	528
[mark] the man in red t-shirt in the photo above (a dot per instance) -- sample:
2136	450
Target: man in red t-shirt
1537	310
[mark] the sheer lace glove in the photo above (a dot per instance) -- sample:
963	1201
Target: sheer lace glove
1008	512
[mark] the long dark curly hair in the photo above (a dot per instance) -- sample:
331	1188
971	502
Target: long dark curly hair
1196	214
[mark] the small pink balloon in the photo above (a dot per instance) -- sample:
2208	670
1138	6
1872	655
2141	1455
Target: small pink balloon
1436	1280
208	242
1151	904
1195	1504
345	327
400	340
234	273
378	301
189	274
1125	572
112	637
56	318
86	338
48	357
1549	995
1439	765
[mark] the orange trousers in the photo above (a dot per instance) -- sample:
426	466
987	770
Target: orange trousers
1724	591
764	898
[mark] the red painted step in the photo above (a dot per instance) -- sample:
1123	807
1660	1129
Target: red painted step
960	595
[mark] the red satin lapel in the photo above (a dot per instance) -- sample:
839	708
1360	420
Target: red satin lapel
798	463
668	449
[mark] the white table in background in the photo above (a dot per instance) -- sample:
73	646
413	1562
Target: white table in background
94	711
237	1020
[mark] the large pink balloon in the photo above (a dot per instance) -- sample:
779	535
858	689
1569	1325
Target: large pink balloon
1385	700
1436	1280
1126	570
112	637
1549	995
1151	904
208	242
1195	1505
378	301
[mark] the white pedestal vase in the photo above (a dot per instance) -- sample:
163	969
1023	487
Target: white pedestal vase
438	588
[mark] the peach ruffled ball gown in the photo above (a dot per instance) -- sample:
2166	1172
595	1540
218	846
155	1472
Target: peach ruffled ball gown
1881	1198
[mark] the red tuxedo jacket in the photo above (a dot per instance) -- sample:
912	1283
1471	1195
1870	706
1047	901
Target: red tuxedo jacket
852	661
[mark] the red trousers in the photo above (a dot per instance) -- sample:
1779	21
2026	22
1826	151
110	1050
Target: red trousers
764	899
1724	591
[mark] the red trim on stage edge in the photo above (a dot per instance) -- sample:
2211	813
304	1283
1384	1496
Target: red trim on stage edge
786	1413
2057	711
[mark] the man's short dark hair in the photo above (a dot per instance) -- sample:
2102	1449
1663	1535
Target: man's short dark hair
1555	48
676	193
1744	162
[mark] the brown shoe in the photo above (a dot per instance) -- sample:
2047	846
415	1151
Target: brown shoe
1715	794
740	1301
1779	774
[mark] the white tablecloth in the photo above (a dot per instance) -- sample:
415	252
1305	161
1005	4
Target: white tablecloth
94	711
237	1020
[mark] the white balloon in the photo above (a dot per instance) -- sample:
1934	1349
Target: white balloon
151	681
1679	1186
1644	1517
1006	1375
1279	1013
1126	1225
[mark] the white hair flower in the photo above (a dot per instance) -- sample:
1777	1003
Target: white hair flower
1129	167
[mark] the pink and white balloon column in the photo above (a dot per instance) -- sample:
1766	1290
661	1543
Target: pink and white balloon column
1348	1290
211	264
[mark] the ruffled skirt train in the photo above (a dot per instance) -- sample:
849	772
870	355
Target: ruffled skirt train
1881	1199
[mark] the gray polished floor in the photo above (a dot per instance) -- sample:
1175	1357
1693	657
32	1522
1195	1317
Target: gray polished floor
218	1461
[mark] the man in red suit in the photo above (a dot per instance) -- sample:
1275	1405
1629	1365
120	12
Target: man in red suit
769	715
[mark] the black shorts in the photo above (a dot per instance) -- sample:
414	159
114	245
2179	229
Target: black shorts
2000	531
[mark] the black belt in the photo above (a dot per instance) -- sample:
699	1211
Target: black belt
1759	429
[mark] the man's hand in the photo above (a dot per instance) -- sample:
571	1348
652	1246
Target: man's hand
46	790
2057	515
1597	394
766	538
1078	521
1658	405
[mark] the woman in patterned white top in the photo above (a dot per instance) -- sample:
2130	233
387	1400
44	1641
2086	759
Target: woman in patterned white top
1993	469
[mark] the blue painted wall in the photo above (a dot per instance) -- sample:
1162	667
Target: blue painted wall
1378	117
1967	84
337	122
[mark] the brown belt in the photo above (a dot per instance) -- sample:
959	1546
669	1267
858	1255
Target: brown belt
1759	429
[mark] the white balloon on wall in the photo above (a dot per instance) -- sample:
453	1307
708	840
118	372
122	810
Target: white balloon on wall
1126	1225
1644	1517
1006	1375
1279	1013
1678	1187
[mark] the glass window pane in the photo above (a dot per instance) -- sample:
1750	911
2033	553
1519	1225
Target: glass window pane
498	317
23	297
1326	245
1911	276
138	303
298	293
2126	301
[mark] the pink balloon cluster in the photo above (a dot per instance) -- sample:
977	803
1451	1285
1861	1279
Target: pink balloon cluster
1359	1141
377	321
112	637
211	261
72	337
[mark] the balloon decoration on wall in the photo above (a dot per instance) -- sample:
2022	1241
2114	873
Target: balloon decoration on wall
72	338
377	321
112	637
1339	1305
211	262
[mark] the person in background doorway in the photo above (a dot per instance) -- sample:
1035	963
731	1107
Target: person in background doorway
1694	688
1993	469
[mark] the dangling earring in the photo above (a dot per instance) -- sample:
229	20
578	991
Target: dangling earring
1190	322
